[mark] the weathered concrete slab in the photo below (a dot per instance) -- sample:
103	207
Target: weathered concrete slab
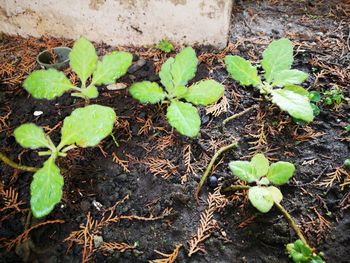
120	22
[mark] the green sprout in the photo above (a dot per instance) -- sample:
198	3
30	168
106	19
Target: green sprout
165	46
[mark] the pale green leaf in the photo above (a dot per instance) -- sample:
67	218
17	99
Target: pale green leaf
205	92
46	189
184	67
83	59
87	126
242	71
289	77
31	136
297	89
91	92
275	193
280	172
184	118
296	105
244	170
112	67
278	56
147	92
261	164
260	198
180	91
47	84
165	75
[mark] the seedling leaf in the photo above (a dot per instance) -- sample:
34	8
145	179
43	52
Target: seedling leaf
288	77
296	105
184	118
147	92
260	198
83	59
46	189
297	89
91	92
275	193
165	75
165	46
31	136
261	164
112	67
280	172
242	71
244	170
87	126
47	84
205	92
277	57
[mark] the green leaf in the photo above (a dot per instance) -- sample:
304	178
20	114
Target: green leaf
83	59
242	71
165	75
261	164
260	198
288	77
205	92
184	118
280	172
31	136
314	96
147	92
87	126
184	67
112	67
275	193
180	91
91	92
297	89
301	253
277	57
47	84
243	170
165	46
296	105
46	189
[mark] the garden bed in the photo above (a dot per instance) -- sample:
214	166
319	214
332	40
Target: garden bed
155	171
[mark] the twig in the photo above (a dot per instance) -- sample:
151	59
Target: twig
17	166
212	161
237	115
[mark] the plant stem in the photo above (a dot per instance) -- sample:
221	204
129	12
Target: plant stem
236	187
237	115
292	223
15	165
210	166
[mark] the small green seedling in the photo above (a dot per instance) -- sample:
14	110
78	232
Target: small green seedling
281	82
314	98
85	127
258	171
175	73
165	46
301	253
51	83
347	127
333	96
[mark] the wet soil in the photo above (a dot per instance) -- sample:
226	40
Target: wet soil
94	182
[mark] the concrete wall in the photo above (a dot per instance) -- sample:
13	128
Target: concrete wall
120	22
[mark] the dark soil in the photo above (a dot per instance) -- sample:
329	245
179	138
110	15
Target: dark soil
320	32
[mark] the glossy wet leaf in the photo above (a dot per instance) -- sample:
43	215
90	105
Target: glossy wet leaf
47	84
260	198
275	193
242	71
279	173
147	92
83	59
289	77
277	56
112	67
205	92
87	126
296	105
46	189
261	164
244	170
31	136
184	118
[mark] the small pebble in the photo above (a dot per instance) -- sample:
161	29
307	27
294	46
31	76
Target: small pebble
37	113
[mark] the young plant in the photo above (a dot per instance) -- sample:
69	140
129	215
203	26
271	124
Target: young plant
280	83
174	75
333	96
301	253
51	83
85	127
165	46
